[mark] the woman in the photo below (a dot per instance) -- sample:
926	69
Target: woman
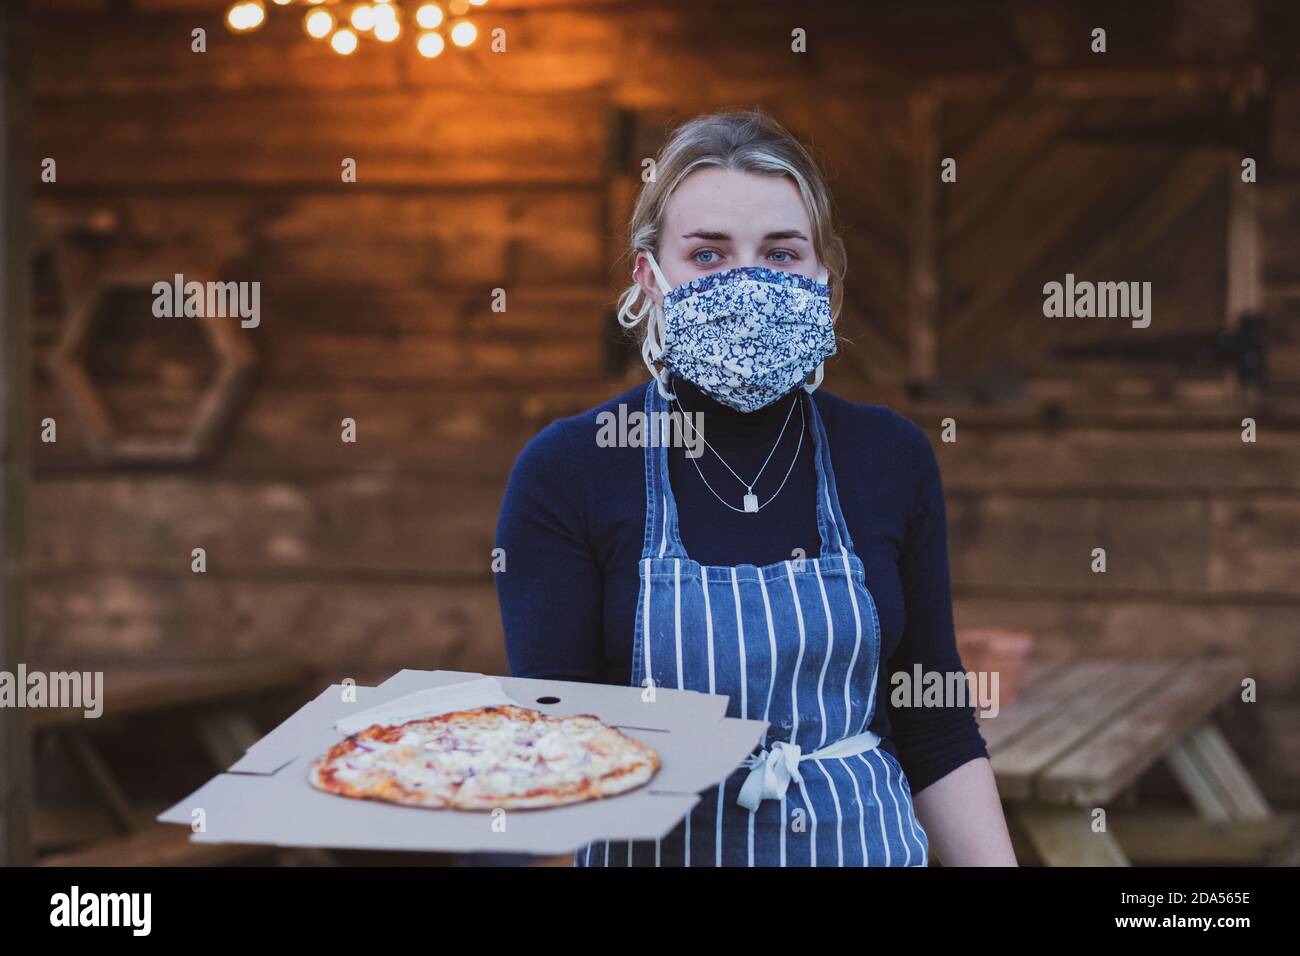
789	550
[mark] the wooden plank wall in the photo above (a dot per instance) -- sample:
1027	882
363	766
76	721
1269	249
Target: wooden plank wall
478	172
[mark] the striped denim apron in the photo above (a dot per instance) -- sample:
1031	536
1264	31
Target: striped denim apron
796	643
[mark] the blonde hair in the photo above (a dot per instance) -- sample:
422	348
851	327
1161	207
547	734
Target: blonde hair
750	141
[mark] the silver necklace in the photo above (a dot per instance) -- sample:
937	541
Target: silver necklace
751	500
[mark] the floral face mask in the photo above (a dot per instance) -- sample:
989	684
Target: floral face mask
748	335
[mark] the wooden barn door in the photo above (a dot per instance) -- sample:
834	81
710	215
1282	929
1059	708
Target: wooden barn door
1134	180
1104	188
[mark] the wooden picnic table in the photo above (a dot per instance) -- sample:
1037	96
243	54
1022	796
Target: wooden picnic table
1081	731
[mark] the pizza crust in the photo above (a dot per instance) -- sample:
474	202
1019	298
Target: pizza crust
486	758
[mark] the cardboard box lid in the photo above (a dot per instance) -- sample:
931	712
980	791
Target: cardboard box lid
265	796
618	707
310	725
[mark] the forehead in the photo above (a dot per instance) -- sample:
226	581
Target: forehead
739	203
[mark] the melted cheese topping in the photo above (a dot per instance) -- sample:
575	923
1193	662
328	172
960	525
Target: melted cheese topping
490	757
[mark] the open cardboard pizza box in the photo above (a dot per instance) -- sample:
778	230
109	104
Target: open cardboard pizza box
265	796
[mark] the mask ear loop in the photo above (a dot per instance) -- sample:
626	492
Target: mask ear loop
820	373
652	345
664	287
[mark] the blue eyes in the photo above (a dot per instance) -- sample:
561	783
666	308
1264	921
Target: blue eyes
787	256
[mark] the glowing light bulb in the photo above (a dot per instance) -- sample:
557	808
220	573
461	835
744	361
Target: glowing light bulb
318	24
463	33
477	3
363	17
344	41
245	15
429	15
282	3
387	30
430	44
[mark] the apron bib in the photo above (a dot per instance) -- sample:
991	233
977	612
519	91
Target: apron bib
796	643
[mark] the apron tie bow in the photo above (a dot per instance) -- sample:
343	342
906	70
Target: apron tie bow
770	774
771	771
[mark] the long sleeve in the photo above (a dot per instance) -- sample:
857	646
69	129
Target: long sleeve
931	741
550	591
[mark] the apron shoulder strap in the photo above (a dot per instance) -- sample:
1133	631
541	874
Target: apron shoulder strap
662	533
832	527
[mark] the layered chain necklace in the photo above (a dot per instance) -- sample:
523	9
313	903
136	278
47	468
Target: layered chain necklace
751	502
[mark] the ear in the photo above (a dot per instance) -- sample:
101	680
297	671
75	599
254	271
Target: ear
645	278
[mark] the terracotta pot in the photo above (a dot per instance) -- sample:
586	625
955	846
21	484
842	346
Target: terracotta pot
990	649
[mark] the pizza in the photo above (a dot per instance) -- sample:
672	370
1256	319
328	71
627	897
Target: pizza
485	758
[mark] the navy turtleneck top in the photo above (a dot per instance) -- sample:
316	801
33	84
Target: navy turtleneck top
573	520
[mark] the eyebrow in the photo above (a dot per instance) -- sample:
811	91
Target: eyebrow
726	237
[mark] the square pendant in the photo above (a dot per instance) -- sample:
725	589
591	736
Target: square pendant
751	502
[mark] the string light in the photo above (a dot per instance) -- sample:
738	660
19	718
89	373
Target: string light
463	33
430	44
363	17
318	23
429	15
245	15
344	41
437	23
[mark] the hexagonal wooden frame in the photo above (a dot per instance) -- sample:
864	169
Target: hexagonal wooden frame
110	444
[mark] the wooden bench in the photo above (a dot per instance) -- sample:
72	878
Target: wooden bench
1083	730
